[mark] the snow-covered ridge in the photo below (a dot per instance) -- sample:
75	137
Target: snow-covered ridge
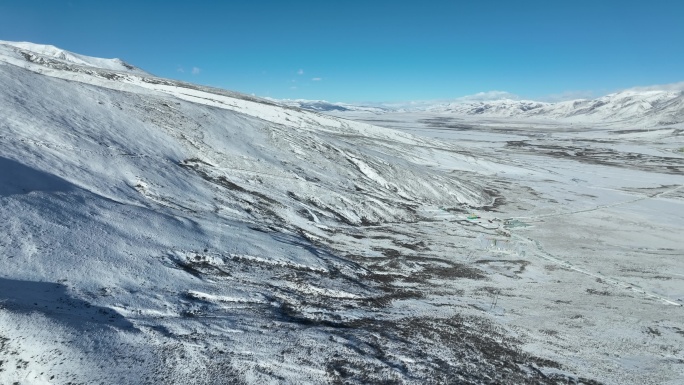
639	107
326	106
654	107
52	52
502	108
133	209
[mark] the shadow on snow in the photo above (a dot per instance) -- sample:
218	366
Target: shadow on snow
54	302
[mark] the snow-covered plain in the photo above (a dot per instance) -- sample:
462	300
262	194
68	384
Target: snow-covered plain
593	270
154	231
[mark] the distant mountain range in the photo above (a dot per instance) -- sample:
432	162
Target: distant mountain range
325	106
644	107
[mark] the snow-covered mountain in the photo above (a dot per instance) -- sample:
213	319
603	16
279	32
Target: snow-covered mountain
154	231
161	232
500	108
51	54
635	107
325	106
652	108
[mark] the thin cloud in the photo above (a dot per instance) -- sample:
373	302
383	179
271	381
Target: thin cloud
196	71
180	69
568	95
660	87
488	96
300	72
316	79
293	88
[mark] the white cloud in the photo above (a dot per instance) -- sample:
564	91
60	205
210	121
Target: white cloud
293	88
196	71
568	95
180	69
317	79
660	87
300	72
488	96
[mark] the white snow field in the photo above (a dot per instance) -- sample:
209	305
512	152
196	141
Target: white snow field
160	232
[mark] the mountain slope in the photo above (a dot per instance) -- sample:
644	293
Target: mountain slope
160	232
500	108
650	108
52	53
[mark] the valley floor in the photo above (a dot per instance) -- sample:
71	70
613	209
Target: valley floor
592	271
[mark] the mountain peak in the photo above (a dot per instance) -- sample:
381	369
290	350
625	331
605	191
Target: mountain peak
56	53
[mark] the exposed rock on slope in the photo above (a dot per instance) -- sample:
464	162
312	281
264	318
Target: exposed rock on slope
160	232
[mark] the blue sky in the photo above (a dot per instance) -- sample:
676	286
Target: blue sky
373	50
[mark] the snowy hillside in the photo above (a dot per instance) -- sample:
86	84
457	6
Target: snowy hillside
650	108
499	108
177	228
51	53
155	231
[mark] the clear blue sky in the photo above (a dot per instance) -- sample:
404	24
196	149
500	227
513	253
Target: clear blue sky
372	50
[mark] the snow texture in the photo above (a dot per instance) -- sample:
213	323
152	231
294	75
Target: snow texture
154	231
